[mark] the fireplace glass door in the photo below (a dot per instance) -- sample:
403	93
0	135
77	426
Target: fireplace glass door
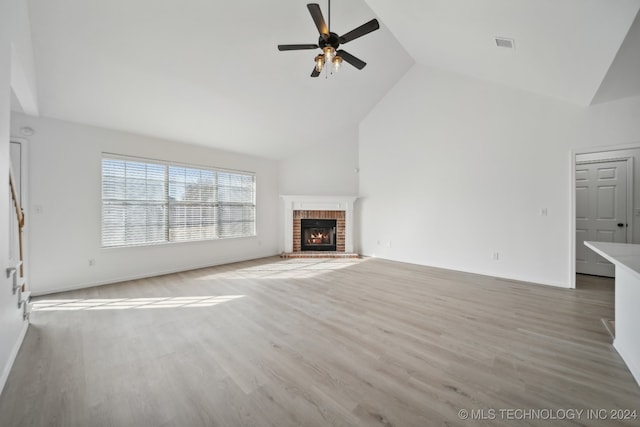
318	234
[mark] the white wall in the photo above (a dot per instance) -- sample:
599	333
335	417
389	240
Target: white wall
64	209
330	169
454	169
12	327
23	74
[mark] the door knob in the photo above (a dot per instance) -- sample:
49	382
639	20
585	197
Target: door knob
620	224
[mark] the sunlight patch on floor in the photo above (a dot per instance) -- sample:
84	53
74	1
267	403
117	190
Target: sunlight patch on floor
286	269
131	303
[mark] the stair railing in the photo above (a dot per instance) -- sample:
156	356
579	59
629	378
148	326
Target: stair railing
19	284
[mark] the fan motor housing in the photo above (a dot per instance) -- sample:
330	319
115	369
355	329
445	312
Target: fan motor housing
333	40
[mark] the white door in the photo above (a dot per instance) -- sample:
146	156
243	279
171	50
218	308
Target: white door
601	212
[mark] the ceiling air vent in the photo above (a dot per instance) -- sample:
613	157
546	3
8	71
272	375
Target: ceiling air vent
504	42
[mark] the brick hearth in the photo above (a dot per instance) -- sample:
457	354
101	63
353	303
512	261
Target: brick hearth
318	254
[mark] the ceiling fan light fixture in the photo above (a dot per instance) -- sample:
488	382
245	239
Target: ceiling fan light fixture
337	63
319	63
329	54
330	42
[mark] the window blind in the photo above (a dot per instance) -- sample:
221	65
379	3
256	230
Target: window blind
146	202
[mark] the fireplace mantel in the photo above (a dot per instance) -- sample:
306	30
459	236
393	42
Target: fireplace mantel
318	203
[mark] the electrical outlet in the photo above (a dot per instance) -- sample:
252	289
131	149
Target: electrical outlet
544	212
496	256
92	262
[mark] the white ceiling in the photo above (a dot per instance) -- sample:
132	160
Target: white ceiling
15	103
623	78
563	48
208	72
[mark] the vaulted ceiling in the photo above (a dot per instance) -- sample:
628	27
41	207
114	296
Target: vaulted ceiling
208	72
563	49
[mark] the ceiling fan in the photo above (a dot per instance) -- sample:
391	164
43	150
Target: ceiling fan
329	42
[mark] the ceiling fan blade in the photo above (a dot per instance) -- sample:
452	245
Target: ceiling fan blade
315	72
360	31
356	62
283	47
316	14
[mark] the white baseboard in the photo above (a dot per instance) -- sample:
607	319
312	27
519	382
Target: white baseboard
220	261
515	278
13	355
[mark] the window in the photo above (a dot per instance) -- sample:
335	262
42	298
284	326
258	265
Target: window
149	202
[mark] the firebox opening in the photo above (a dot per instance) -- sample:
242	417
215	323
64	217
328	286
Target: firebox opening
318	234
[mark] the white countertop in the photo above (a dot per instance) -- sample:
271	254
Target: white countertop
626	258
623	254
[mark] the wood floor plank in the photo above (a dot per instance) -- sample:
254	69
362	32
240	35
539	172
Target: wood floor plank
313	342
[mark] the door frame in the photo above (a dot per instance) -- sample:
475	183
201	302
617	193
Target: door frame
607	155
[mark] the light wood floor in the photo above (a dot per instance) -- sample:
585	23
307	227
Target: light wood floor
316	343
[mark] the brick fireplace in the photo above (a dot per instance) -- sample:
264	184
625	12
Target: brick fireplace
298	216
320	208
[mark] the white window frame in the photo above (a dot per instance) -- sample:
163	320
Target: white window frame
140	202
